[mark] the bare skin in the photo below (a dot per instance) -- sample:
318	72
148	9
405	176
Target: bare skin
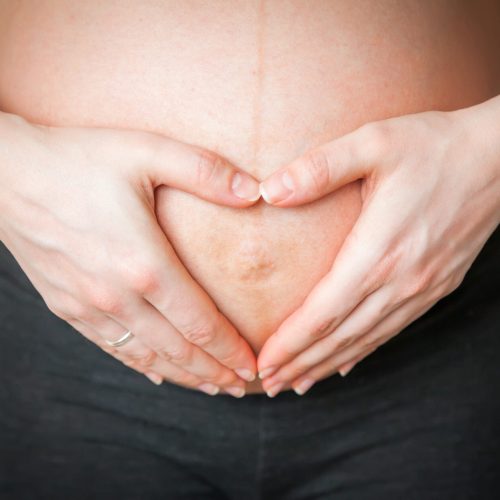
103	280
387	275
261	84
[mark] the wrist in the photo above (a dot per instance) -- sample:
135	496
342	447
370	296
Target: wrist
481	124
480	133
13	129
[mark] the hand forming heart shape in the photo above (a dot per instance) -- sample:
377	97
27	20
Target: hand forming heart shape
431	199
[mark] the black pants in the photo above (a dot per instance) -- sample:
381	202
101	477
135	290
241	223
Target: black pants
418	419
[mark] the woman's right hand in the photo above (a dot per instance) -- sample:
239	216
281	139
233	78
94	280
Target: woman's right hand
77	213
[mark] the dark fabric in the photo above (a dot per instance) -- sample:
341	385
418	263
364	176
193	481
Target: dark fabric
418	419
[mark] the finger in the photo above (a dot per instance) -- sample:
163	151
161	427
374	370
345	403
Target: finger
159	272
371	313
134	350
98	328
199	171
389	327
320	171
361	320
192	312
158	371
188	307
362	265
157	333
98	339
347	367
135	353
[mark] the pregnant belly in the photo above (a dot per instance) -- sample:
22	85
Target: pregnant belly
259	84
258	263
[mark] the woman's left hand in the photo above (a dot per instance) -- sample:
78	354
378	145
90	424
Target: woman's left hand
430	200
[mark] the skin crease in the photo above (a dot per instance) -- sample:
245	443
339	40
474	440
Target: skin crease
260	83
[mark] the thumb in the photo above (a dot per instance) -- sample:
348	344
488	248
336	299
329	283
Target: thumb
199	171
318	172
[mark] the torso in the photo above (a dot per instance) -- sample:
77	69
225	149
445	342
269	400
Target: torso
260	82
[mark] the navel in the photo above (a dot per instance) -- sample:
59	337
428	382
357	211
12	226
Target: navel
254	260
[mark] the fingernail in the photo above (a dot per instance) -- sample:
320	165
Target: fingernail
245	187
267	371
272	391
155	378
346	369
237	392
304	386
277	188
245	374
209	388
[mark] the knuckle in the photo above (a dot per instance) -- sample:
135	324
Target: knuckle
318	167
288	350
383	271
201	335
342	342
56	309
397	297
233	353
142	279
146	360
175	354
134	364
375	139
382	309
81	312
323	329
207	168
217	375
368	342
297	370
139	359
106	301
445	287
412	284
421	282
64	315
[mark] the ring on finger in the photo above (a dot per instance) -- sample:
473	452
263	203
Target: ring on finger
126	337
